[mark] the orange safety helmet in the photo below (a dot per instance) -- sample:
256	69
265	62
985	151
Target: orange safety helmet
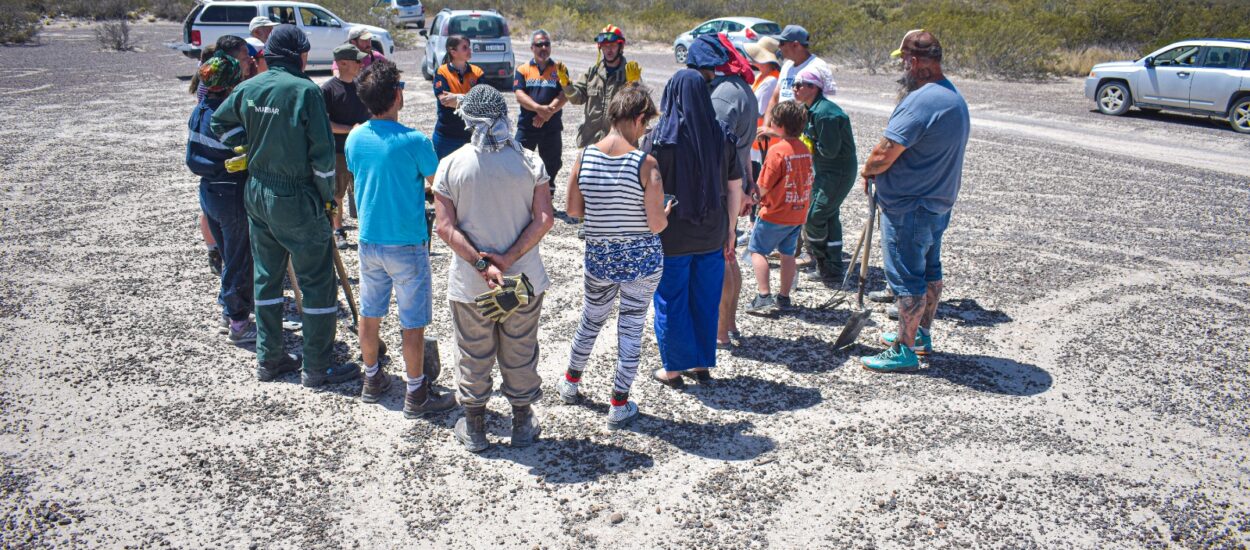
610	33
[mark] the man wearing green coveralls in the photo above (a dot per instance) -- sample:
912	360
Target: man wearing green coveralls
291	167
829	135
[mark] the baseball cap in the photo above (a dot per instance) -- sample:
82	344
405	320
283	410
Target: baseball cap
348	52
921	42
793	33
763	51
260	21
360	33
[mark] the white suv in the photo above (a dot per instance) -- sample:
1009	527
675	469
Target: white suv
210	20
1206	77
488	36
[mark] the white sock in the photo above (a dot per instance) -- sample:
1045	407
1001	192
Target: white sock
414	383
372	370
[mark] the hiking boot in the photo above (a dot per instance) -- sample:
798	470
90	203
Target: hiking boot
894	359
619	417
567	391
340	240
471	429
762	305
273	368
245	334
881	296
372	388
525	428
215	262
332	375
426	400
784	304
923	345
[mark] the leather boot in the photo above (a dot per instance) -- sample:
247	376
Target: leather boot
426	400
471	429
525	428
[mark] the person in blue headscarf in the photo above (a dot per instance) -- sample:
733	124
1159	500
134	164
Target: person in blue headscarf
698	162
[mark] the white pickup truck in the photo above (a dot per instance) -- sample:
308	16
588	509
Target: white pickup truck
210	19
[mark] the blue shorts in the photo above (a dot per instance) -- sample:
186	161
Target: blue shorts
767	237
911	244
407	270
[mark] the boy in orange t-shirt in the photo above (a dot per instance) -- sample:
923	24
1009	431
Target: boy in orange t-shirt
785	187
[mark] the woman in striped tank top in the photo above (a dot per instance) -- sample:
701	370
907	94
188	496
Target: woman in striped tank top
617	190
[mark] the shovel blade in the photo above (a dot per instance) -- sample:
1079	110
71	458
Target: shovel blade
850	332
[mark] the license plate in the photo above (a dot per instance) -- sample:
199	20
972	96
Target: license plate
494	47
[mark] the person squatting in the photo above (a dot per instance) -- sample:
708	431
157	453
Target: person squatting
658	191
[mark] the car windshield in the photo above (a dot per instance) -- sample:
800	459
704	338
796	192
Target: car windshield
407	3
766	28
477	26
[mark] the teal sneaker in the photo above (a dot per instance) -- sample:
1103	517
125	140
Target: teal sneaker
893	359
922	346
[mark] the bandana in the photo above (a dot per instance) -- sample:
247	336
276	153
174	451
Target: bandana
484	111
286	42
220	73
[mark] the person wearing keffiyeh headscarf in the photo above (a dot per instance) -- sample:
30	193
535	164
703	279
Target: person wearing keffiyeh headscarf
492	207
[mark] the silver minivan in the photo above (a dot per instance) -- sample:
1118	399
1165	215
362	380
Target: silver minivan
489	38
1207	77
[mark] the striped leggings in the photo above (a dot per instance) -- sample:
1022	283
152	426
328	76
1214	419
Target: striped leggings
597	304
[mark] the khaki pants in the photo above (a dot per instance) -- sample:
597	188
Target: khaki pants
480	341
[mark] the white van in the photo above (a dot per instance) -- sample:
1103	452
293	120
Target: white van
210	20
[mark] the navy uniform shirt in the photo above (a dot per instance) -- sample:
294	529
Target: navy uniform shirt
543	86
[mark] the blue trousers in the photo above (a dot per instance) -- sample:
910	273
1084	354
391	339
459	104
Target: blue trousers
444	145
687	307
222	204
911	245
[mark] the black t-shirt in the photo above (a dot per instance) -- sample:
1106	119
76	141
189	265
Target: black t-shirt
682	237
344	107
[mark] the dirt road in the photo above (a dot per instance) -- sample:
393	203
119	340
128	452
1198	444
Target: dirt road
1089	390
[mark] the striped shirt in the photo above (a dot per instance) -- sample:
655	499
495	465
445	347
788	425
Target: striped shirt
613	194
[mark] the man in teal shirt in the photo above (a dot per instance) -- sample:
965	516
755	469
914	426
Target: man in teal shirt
393	164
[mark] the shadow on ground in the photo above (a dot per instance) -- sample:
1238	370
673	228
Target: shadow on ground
755	395
572	460
989	374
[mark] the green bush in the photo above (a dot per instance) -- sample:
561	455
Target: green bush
18	23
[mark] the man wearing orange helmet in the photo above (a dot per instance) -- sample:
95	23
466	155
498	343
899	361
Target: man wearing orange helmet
599	85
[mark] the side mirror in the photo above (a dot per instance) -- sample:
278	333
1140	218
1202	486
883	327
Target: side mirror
1150	61
424	33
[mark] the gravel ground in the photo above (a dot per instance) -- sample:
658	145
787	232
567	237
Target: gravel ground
1089	389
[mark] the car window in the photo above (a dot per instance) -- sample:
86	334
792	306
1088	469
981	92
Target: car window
730	26
409	3
709	27
476	26
282	14
228	14
313	17
1184	56
436	25
1223	57
767	28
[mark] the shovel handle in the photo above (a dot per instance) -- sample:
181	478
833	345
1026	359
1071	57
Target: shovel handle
872	217
347	286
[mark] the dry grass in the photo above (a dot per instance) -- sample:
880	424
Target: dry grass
1078	62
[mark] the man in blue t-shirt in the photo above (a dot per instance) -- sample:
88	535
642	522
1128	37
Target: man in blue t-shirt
393	165
917	168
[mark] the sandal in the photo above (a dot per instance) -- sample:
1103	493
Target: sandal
675	383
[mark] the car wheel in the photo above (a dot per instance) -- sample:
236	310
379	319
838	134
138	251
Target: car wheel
1239	115
1113	98
425	72
679	53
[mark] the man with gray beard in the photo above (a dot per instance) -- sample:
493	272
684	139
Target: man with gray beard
917	168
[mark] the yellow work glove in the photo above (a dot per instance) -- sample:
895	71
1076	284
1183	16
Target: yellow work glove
633	72
811	145
332	208
501	302
562	74
239	163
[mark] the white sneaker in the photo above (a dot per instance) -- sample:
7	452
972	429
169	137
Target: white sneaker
568	391
619	417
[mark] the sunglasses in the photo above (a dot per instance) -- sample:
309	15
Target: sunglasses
802	84
542	44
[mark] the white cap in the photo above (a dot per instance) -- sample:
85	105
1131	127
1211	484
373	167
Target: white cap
359	33
260	21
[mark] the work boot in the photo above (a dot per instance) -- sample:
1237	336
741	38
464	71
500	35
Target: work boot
426	400
826	275
923	344
332	375
882	296
273	368
471	429
372	388
525	428
896	358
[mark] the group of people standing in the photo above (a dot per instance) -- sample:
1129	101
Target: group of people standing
658	190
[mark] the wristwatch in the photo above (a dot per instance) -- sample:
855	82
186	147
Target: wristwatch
481	264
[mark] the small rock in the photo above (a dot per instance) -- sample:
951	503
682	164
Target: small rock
616	518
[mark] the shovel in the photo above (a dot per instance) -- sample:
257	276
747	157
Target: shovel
859	319
840	296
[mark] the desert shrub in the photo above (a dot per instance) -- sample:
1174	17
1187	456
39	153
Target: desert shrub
174	10
18	23
1078	62
114	35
